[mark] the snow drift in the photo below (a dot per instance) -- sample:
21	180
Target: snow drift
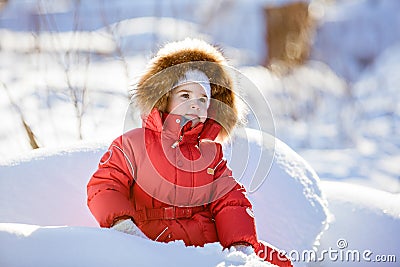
43	212
370	236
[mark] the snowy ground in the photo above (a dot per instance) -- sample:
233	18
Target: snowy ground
67	74
294	210
56	228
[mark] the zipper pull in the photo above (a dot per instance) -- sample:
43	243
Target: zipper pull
211	171
176	143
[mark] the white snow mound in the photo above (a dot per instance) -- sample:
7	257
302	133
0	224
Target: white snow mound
43	212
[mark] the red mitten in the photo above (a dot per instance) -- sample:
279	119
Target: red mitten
270	254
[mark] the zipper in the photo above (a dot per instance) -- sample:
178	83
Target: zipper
176	143
222	160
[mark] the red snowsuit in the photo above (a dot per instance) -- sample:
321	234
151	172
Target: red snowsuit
171	189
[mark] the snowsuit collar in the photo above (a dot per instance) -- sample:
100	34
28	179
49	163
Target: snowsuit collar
178	128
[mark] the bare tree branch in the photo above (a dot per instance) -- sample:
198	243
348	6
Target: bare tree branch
28	130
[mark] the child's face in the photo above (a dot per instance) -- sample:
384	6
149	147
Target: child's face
189	100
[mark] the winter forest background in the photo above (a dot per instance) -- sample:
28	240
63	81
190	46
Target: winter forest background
67	66
329	70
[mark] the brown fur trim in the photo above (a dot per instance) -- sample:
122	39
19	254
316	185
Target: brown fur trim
171	63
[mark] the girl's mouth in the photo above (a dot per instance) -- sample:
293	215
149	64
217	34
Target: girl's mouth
193	118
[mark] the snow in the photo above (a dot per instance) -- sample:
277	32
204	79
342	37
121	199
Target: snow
293	210
373	226
284	190
57	227
333	170
366	28
84	246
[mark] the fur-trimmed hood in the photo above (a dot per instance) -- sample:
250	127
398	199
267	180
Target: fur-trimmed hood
169	66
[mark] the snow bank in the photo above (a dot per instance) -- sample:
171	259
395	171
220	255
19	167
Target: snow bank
43	212
365	227
30	245
289	207
48	187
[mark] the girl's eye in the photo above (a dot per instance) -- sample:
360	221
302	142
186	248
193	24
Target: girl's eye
203	100
186	96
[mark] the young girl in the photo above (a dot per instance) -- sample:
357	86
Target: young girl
169	180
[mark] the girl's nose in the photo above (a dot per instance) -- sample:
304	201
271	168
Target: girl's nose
195	104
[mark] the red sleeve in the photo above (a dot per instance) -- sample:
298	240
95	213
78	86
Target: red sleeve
109	188
232	212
